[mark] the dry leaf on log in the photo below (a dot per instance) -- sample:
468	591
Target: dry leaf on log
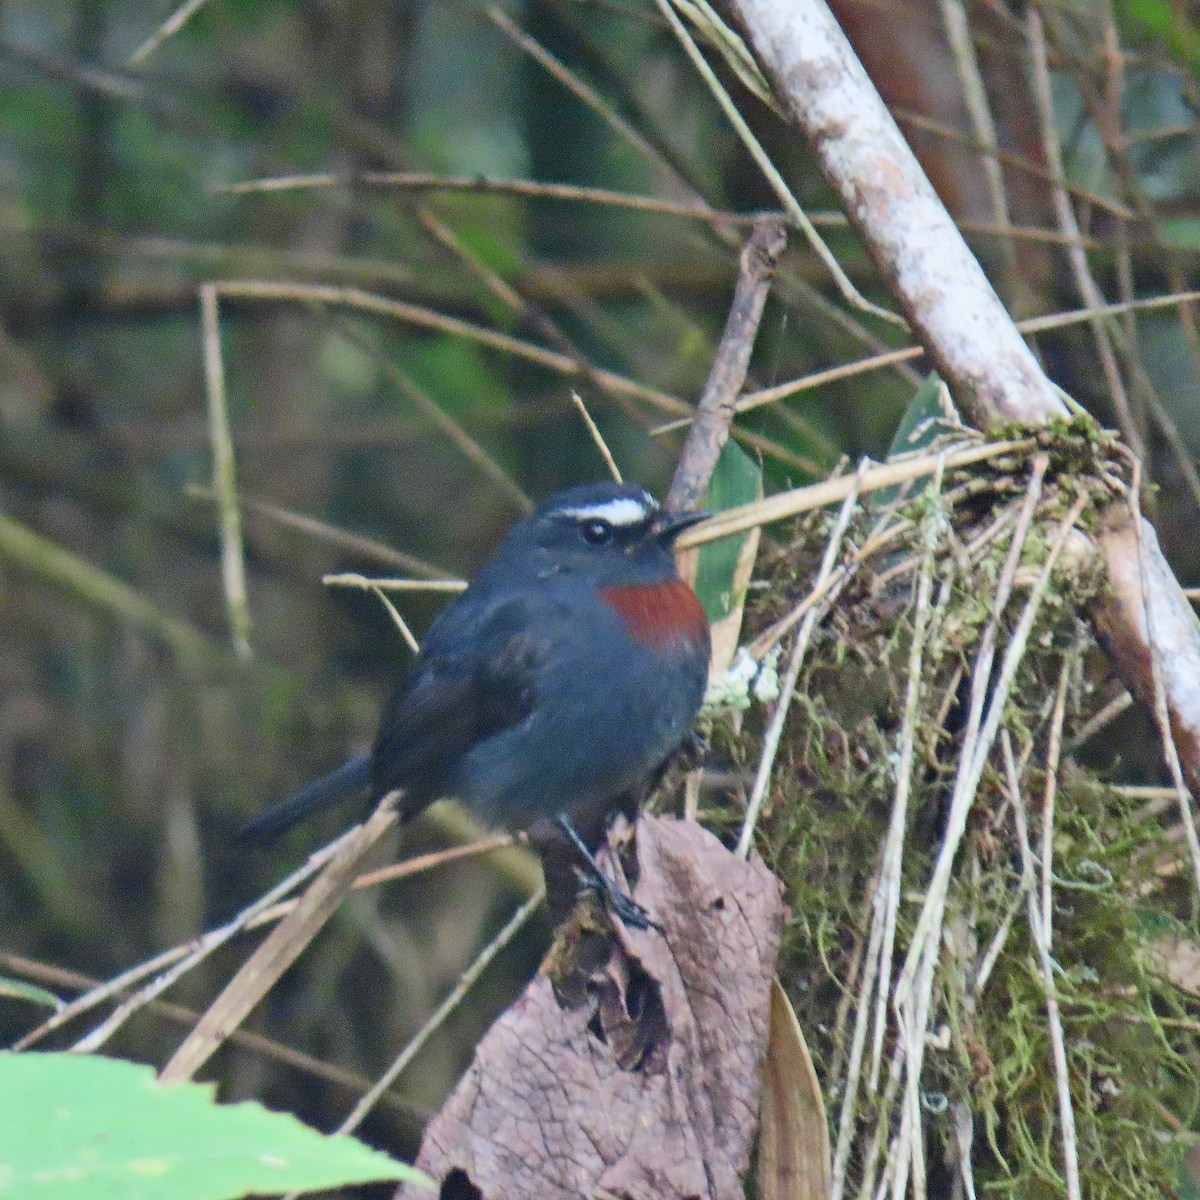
649	1088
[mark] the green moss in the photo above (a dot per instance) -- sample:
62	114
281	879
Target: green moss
1132	1053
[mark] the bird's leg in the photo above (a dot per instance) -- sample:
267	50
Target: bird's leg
625	907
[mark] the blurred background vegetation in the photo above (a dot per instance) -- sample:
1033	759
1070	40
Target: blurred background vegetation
132	750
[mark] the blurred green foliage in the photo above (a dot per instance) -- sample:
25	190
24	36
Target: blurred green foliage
126	773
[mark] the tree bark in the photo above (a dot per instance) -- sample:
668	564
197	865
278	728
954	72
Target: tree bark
962	324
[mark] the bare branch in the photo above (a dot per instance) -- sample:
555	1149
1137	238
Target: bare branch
913	239
962	324
710	429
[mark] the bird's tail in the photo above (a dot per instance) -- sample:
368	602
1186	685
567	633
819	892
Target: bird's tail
354	775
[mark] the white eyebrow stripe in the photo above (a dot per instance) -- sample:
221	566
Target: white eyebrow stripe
622	511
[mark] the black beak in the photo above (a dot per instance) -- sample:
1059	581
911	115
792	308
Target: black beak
667	526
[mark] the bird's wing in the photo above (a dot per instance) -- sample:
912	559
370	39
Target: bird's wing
466	686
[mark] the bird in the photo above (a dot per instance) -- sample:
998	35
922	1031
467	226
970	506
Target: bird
551	688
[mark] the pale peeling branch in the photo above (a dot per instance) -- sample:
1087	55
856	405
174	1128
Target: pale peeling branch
953	309
962	324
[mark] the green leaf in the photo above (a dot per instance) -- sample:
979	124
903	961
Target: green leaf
1181	232
18	989
924	421
736	480
79	1127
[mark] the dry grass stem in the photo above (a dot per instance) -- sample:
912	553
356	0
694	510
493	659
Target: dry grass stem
596	436
1039	926
434	414
355	543
887	900
868	478
877	973
1089	291
184	957
438	1017
168	29
877	542
762	778
426	318
45	558
422	181
282	946
233	563
913	989
1162	715
779	186
558	71
410	639
267	910
364	583
974	92
892	358
254	1043
552	360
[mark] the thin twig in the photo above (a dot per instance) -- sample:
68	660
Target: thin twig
254	1043
43	556
876	542
778	184
264	911
367	547
877	975
553	360
420	181
588	96
818	495
931	529
363	582
909	998
1085	283
892	358
532	315
435	414
714	411
438	1017
974	92
914	991
185	956
1162	715
282	947
1109	713
774	733
168	29
410	638
1053	756
596	436
233	563
427	318
1039	927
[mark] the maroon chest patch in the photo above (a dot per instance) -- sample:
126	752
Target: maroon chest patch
659	614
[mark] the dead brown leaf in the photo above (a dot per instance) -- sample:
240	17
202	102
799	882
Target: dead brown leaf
647	1087
793	1143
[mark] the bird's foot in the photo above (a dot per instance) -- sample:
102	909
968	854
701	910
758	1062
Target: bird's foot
624	907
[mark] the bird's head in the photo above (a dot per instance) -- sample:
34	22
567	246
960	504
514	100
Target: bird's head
613	532
616	538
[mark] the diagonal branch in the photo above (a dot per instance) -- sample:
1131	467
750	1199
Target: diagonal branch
710	428
962	324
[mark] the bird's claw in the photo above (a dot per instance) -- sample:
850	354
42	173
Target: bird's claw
625	908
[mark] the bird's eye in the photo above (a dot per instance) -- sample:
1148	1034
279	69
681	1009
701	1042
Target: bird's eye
596	532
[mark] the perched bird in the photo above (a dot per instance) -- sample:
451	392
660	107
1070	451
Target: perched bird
558	681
